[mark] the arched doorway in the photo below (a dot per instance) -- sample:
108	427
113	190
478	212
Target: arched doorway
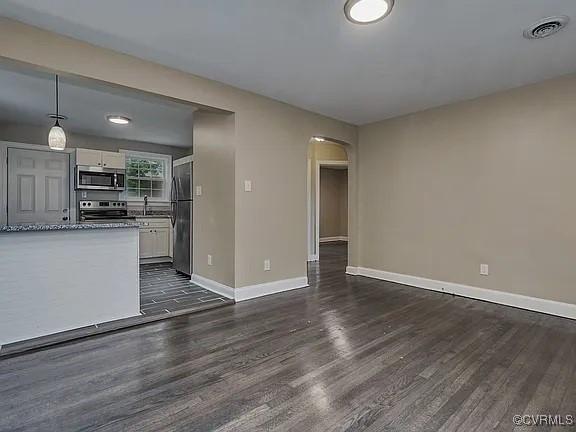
328	200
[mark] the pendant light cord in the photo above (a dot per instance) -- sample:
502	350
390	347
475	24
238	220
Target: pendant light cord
57	103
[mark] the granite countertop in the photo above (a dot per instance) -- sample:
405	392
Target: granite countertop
71	226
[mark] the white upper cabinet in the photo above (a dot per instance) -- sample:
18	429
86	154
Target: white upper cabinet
113	160
87	157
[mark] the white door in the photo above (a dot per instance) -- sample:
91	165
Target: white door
38	186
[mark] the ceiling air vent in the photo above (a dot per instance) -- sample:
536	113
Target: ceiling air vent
546	27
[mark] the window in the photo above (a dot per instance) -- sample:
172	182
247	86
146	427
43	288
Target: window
147	174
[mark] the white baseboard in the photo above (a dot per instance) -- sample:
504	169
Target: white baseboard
254	291
217	287
251	291
333	239
551	307
352	270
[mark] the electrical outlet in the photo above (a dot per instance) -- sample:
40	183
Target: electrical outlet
247	185
209	260
267	265
198	190
484	270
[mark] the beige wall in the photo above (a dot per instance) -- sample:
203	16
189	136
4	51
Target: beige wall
213	220
39	135
270	141
333	202
272	153
490	181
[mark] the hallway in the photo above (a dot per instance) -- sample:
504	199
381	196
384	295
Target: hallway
332	262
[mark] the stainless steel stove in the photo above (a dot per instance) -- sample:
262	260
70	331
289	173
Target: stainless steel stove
104	212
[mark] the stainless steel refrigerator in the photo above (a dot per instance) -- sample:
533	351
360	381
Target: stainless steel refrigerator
181	202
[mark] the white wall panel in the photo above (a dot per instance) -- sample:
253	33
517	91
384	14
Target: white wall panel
61	280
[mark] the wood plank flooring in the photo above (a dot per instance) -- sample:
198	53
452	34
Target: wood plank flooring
347	354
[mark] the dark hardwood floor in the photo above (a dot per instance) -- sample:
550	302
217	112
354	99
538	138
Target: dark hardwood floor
347	354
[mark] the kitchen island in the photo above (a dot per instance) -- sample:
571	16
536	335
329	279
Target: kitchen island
59	277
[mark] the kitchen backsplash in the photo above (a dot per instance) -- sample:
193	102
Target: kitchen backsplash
137	209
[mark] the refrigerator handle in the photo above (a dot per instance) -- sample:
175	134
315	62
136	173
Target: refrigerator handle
173	202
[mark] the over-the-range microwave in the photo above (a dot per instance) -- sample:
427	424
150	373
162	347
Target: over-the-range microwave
97	178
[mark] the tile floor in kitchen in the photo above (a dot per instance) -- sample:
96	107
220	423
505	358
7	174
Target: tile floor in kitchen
163	290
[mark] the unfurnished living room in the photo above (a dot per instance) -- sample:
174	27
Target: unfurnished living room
271	215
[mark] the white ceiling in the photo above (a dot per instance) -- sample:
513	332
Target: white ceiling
27	97
426	53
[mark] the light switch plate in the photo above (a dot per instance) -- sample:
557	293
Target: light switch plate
209	260
484	270
198	190
247	185
267	265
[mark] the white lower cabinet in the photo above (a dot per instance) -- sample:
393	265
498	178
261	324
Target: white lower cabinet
162	245
147	243
155	238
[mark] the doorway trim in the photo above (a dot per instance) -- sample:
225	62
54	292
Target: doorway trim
319	164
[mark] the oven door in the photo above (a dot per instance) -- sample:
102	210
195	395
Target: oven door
94	178
106	218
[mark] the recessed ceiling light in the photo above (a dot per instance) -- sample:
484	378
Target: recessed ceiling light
367	11
119	120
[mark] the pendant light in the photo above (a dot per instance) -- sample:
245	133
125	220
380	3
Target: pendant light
56	136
